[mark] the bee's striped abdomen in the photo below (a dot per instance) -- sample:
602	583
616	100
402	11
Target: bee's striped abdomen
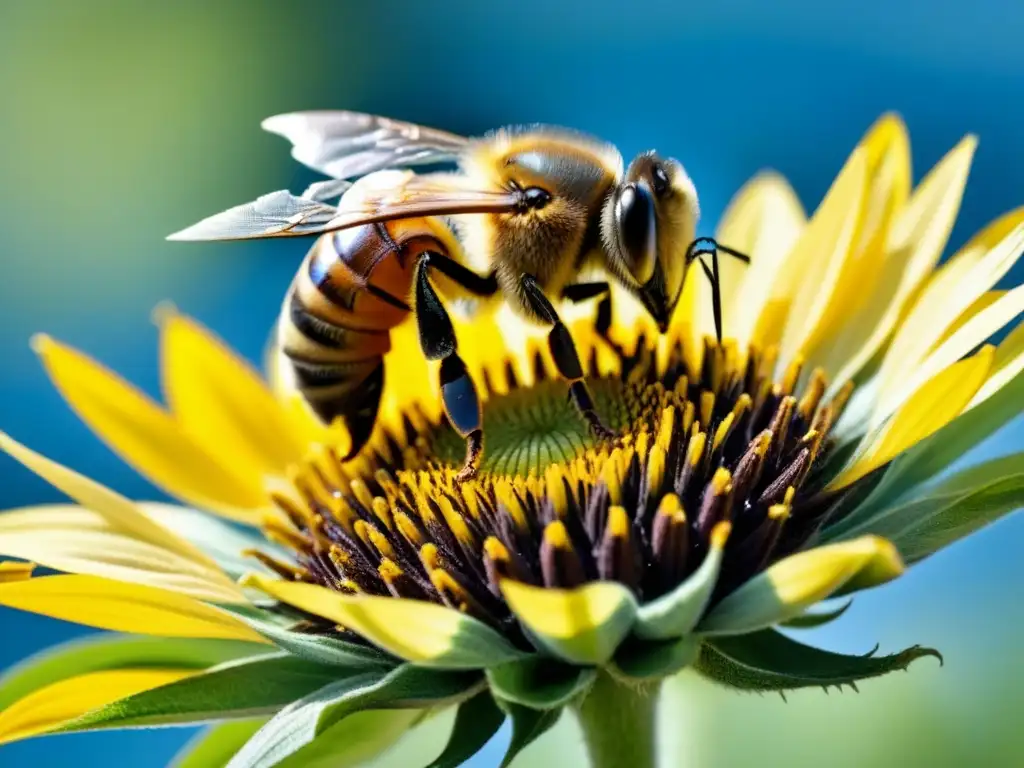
335	326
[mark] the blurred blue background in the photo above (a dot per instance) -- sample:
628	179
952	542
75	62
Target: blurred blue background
124	121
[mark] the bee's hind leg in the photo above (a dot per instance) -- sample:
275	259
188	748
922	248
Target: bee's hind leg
458	392
567	359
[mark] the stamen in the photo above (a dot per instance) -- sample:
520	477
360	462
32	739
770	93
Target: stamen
617	558
669	541
560	565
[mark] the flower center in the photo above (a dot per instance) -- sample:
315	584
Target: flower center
553	507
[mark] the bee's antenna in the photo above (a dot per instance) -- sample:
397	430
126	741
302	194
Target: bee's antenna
709	246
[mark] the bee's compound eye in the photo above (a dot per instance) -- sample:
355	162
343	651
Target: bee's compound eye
659	179
536	198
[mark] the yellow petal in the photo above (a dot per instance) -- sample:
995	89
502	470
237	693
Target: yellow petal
763	221
107	536
147	437
223	403
123	607
1006	365
820	255
915	242
15	571
46	709
933	406
583	625
792	585
414	630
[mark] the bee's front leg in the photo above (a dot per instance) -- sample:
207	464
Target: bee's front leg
567	359
458	392
578	292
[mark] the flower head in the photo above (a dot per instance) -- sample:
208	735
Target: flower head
799	460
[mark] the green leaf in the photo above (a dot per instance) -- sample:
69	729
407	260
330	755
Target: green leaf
962	504
238	689
677	613
215	746
539	682
528	725
302	722
106	652
318	648
770	661
583	625
478	719
929	458
811	620
961	518
645	660
793	584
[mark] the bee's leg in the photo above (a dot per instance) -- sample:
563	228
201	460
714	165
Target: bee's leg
563	350
603	322
478	285
458	392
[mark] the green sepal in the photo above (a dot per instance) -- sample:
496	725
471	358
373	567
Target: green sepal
812	620
539	682
646	660
770	661
965	502
317	648
214	747
108	652
790	586
675	614
477	720
238	689
295	729
360	737
528	725
583	625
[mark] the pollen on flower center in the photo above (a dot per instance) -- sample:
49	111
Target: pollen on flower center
721	452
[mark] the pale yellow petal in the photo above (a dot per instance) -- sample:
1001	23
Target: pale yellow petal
80	540
975	331
933	406
967	277
763	221
46	709
107	535
1007	364
122	607
914	245
820	255
222	402
887	149
147	437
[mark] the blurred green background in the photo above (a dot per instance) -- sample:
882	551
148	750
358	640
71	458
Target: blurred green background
124	121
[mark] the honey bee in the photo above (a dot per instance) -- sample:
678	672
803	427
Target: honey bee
527	212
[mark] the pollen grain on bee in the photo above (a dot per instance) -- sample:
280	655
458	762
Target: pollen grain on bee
691	449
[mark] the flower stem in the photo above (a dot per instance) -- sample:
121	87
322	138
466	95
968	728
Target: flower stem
618	722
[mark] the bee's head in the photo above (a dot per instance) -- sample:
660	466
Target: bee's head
647	224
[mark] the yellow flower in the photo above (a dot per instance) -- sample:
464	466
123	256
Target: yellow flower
746	482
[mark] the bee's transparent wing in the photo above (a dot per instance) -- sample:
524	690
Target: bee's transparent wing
345	145
282	214
276	214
